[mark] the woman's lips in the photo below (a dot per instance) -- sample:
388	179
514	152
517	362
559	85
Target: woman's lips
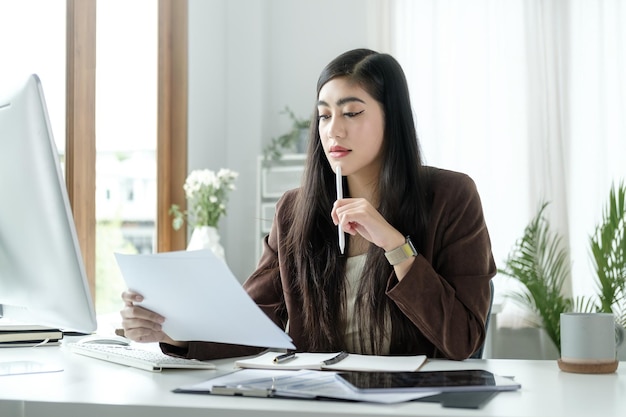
338	151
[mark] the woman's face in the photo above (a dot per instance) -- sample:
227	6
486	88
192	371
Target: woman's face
351	126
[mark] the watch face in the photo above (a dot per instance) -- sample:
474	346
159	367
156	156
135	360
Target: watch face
410	243
401	253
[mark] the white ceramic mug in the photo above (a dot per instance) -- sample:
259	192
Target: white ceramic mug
589	338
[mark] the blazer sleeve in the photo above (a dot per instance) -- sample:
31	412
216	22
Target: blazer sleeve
446	293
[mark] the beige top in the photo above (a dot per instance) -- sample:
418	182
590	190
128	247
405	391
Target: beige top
354	271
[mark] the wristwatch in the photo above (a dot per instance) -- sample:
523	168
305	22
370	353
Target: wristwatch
401	253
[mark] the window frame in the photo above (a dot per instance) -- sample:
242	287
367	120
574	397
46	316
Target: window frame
80	122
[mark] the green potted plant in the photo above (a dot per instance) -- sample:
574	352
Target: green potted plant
294	139
608	250
539	261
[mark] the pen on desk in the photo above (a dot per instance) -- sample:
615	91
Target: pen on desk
342	237
335	359
284	357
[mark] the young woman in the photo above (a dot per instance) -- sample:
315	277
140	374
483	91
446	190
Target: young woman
414	277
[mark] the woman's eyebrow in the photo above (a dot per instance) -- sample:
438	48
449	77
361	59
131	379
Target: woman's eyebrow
346	100
341	101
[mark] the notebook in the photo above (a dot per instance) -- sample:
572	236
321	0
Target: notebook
19	334
328	361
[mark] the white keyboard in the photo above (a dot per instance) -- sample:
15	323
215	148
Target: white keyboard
148	360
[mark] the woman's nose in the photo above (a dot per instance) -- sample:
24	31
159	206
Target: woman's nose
336	128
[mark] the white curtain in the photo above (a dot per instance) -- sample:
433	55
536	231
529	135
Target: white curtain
529	98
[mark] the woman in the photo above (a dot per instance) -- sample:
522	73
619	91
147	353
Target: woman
417	265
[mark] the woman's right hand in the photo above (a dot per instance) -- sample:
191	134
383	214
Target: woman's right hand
142	325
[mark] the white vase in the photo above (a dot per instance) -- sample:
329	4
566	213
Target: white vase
206	237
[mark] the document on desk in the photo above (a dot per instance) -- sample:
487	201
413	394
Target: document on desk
200	299
325	361
305	384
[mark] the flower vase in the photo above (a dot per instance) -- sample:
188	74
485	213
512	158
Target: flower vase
206	237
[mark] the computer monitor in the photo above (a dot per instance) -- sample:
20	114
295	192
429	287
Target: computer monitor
42	277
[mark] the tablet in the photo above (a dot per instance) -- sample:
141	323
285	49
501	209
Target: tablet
441	381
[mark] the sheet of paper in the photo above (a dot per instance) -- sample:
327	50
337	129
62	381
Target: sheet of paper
353	362
200	299
301	384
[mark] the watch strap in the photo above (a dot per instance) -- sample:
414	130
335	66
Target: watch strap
401	253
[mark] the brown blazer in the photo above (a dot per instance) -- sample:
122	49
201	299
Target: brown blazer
446	293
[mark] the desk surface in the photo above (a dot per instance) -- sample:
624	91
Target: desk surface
89	386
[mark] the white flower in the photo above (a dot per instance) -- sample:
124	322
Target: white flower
207	194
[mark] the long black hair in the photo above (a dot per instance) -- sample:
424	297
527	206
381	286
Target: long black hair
312	239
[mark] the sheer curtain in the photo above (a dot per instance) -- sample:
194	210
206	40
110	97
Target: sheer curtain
529	98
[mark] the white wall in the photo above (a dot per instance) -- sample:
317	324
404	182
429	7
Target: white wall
247	60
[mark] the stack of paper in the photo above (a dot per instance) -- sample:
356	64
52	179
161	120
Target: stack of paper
305	384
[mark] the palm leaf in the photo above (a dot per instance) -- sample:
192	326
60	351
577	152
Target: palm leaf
584	304
608	250
540	262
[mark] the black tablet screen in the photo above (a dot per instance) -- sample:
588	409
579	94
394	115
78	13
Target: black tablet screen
417	380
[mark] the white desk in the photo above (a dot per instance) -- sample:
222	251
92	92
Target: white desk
89	387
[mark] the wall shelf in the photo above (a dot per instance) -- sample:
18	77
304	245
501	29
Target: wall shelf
273	179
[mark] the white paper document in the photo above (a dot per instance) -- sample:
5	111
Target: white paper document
200	299
295	384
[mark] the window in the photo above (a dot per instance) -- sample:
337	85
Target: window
59	43
126	138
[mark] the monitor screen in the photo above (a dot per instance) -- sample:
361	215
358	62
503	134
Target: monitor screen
42	277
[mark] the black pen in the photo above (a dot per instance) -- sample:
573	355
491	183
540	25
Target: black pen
284	357
338	358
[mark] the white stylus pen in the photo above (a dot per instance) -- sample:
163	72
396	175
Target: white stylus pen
342	237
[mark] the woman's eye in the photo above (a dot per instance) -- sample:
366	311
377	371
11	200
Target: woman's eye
353	114
323	117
